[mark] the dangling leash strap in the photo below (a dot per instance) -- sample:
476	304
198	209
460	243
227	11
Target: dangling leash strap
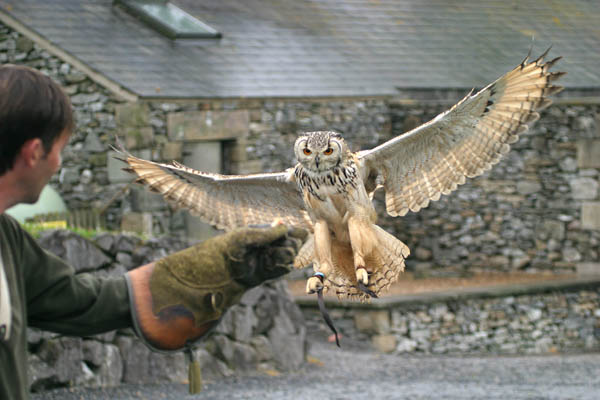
194	373
323	310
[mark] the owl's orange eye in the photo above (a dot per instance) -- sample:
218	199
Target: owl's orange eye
306	152
328	151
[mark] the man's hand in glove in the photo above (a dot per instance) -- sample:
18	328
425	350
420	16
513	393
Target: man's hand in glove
177	299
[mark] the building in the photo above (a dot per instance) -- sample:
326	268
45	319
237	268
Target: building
234	97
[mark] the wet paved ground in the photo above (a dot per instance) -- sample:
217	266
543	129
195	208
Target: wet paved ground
357	373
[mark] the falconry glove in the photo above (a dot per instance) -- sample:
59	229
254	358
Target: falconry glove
178	299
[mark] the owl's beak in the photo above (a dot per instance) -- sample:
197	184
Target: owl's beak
317	159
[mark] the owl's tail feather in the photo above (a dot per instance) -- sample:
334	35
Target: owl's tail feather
386	262
384	265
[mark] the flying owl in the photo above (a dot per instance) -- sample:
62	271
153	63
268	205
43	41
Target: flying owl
330	190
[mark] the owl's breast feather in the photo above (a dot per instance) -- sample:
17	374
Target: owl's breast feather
322	184
330	195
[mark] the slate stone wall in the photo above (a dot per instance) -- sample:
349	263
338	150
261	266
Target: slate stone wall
537	210
265	332
526	321
83	179
526	213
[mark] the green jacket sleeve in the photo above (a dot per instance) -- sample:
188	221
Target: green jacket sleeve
61	301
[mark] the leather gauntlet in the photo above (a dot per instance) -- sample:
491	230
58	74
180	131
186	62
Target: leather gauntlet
178	299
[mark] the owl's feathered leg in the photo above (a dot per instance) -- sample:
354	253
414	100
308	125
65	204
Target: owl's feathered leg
324	264
363	241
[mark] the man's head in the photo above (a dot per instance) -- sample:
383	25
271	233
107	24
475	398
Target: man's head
32	108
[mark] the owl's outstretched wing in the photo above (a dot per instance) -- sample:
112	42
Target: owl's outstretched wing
225	201
434	158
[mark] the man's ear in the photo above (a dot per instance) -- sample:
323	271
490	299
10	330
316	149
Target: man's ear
32	152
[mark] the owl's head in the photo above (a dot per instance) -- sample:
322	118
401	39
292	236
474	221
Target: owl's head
320	151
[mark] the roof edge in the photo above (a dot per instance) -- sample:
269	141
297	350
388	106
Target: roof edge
261	98
55	50
404	99
450	95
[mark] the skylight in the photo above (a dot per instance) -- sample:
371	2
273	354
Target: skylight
168	19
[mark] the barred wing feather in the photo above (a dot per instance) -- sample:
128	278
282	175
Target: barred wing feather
463	142
225	201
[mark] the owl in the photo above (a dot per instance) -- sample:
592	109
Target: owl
329	192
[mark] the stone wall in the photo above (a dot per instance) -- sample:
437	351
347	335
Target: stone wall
264	332
83	179
537	210
536	319
254	136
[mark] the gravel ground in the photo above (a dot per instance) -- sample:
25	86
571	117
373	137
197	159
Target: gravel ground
358	372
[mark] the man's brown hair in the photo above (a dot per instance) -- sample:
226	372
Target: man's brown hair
32	106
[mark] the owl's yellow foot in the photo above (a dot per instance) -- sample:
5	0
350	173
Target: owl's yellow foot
362	276
314	284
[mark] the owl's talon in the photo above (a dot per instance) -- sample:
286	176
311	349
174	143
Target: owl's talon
362	276
314	284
